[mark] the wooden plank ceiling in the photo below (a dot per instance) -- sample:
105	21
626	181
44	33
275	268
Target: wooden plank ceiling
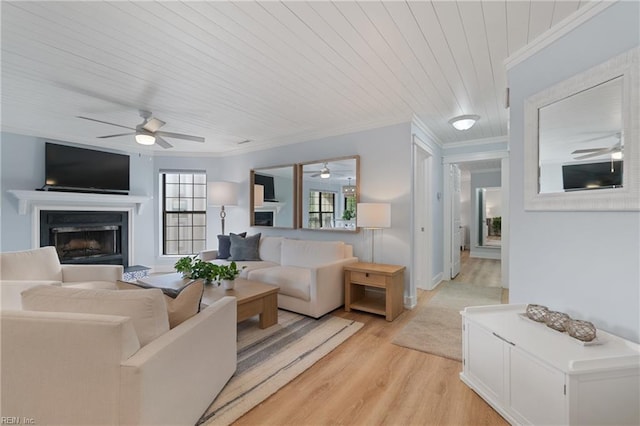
269	72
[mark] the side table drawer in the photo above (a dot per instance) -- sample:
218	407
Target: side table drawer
368	278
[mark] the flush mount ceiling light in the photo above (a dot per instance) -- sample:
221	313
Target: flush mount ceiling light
325	173
464	122
145	138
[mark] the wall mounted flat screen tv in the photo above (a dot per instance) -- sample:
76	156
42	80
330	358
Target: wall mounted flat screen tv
607	174
72	168
267	182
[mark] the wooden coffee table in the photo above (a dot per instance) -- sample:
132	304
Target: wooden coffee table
253	297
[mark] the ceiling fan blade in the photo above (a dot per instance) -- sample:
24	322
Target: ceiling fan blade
115	136
180	136
595	154
153	124
104	122
584	151
163	143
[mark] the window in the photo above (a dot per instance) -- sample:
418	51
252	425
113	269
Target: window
321	209
184	213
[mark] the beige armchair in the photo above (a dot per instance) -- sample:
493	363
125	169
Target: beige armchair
21	270
61	368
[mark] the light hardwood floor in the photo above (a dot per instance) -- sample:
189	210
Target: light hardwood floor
370	381
486	272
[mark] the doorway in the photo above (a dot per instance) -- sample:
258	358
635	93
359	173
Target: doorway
476	218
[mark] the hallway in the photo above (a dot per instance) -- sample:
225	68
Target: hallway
482	272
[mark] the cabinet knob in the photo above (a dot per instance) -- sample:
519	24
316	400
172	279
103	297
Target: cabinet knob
366	274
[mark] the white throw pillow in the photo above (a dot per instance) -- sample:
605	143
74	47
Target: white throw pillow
147	309
306	253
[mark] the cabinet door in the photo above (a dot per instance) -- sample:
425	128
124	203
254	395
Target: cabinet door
484	363
536	394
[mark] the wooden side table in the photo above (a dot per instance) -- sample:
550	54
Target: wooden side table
390	278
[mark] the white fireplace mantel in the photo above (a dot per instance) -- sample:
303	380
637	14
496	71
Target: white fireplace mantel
29	198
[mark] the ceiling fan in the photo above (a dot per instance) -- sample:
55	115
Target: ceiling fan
146	133
615	150
323	173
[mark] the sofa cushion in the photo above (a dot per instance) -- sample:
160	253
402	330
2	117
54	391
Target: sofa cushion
37	264
307	253
179	308
147	309
293	281
224	245
244	248
270	249
246	266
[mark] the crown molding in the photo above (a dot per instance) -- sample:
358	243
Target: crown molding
476	142
563	27
416	121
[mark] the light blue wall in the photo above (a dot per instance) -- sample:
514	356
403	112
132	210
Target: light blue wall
23	168
582	263
385	174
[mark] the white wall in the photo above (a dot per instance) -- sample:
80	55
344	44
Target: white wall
582	263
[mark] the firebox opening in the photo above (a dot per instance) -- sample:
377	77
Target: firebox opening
73	243
87	237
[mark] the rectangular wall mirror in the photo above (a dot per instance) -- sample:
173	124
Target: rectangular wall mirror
329	193
273	197
581	140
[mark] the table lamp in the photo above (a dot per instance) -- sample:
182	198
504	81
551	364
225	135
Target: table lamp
222	194
373	216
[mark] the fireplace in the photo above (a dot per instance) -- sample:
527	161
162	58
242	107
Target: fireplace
263	218
82	237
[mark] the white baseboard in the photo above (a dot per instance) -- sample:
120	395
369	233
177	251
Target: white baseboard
437	280
410	302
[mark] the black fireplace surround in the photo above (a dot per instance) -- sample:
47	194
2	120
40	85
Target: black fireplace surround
86	237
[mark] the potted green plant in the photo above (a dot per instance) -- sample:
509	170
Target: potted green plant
227	275
348	214
194	268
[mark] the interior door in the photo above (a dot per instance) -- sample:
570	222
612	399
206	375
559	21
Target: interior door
456	231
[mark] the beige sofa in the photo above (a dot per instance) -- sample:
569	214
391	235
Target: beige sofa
85	369
309	273
21	270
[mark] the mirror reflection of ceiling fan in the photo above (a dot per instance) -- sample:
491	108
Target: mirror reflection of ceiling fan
615	151
147	132
326	173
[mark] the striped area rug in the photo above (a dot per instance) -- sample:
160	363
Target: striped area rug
269	359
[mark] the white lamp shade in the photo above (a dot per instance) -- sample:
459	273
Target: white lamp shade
373	215
222	193
258	195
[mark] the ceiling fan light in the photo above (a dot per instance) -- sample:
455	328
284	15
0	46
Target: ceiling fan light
616	155
325	173
145	139
464	122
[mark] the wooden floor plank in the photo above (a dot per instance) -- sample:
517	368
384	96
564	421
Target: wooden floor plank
370	381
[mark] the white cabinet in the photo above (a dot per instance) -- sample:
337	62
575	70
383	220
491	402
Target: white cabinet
532	374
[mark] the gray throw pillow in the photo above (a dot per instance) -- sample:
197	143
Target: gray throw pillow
244	248
224	245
